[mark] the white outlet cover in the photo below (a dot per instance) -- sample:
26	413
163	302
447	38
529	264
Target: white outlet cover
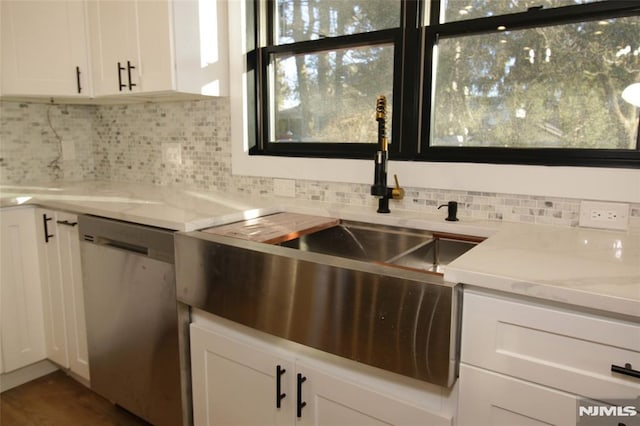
171	153
597	214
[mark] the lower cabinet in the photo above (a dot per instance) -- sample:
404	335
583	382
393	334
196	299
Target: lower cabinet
239	378
526	363
330	399
491	399
236	384
63	303
21	322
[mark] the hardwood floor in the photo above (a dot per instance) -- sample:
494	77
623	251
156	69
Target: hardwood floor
58	400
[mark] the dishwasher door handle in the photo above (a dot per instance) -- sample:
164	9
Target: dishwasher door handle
124	246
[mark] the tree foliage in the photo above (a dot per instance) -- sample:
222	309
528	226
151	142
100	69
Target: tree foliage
330	96
552	86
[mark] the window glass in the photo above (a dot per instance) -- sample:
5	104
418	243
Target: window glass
302	20
329	96
459	10
550	87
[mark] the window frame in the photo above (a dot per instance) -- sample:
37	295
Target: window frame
412	86
329	150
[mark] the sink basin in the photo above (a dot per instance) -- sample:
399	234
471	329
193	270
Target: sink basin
353	240
409	248
434	254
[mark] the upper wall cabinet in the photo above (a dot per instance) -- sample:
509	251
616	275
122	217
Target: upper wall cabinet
159	47
44	50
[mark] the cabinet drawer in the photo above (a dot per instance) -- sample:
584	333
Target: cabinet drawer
490	399
560	348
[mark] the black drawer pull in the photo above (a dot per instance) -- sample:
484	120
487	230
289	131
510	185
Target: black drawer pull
279	394
627	370
66	222
301	404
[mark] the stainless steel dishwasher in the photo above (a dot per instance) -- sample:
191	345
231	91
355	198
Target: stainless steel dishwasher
133	319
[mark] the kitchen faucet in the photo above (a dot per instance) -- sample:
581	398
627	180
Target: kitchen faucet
379	188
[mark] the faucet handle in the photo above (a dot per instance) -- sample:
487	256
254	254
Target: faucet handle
397	193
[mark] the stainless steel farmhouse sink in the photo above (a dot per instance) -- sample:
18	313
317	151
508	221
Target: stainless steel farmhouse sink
366	292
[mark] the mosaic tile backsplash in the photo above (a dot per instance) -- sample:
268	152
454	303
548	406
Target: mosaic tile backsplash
40	142
189	143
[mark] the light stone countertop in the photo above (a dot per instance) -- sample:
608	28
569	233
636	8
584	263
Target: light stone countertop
176	208
589	268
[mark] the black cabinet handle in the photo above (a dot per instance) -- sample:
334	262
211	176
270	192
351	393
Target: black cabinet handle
46	219
78	79
627	370
300	403
120	85
129	68
279	394
66	222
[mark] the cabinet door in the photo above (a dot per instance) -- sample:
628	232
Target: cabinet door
71	273
492	399
235	383
156	64
44	50
132	46
21	326
52	287
113	35
333	400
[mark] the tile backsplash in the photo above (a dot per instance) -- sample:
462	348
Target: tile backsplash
188	143
40	142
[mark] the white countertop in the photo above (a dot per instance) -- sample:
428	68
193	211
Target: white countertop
584	267
589	268
180	209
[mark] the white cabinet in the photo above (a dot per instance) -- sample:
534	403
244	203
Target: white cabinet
44	48
159	46
21	322
331	398
74	50
235	383
71	272
523	358
243	377
492	399
63	303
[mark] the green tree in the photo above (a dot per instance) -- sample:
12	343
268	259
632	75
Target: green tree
550	86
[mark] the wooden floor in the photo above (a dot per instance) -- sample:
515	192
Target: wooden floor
58	400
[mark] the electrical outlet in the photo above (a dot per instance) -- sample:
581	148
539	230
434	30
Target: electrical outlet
596	214
284	187
171	153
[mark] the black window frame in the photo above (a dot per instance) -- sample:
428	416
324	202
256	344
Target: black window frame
412	87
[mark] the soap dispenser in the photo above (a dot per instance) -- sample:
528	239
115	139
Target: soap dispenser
452	211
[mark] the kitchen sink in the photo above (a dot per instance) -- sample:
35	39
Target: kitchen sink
393	246
371	293
359	241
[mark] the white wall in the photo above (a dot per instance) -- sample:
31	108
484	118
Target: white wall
576	182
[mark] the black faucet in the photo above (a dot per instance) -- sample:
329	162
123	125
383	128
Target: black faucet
379	188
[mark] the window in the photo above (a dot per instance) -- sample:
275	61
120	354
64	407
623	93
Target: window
495	81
